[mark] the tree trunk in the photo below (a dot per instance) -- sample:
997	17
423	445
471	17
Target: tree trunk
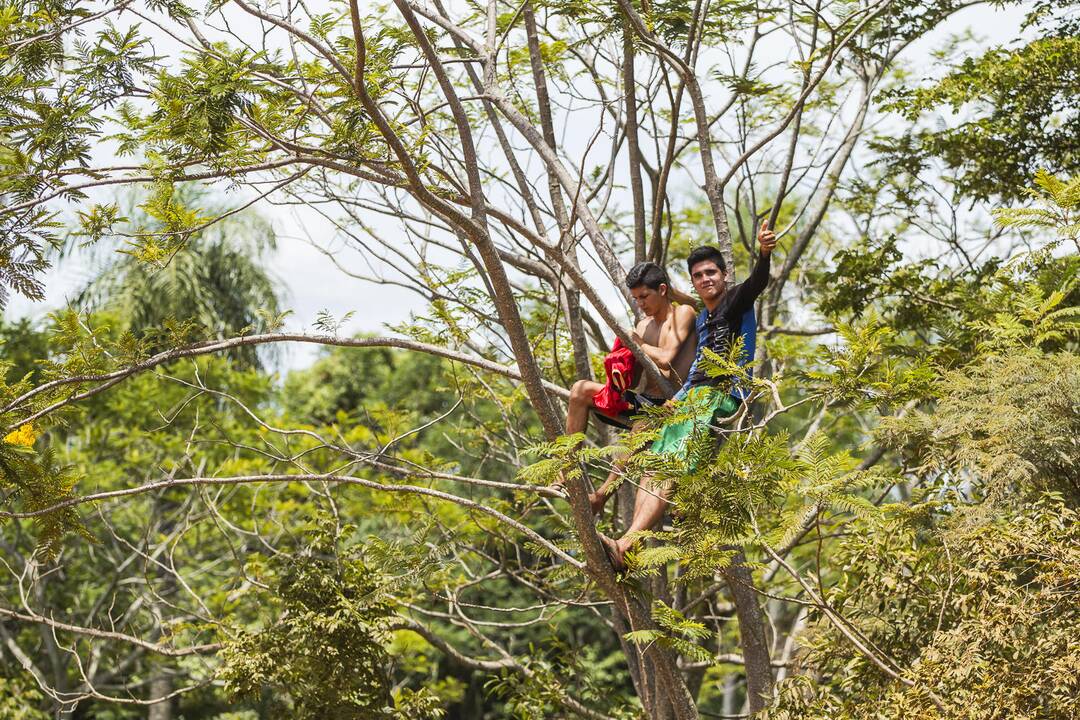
752	633
160	686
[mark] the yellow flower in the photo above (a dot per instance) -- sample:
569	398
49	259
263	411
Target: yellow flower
23	436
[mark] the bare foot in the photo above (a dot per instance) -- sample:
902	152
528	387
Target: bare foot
616	555
596	502
557	487
557	490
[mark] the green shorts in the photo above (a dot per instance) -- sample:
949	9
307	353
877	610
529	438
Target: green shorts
708	404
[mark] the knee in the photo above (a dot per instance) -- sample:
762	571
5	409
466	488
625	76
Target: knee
579	393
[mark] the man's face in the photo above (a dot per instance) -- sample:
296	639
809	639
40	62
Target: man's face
708	280
649	301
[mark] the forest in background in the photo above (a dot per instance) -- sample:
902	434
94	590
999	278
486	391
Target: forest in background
888	529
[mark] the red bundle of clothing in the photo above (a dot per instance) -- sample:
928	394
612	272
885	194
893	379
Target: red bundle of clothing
619	368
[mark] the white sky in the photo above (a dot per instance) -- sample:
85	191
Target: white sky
311	282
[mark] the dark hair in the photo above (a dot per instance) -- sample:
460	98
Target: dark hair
648	274
703	253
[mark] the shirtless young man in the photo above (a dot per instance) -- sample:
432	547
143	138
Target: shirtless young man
665	334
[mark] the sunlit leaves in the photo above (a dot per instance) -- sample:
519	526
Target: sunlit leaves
860	371
1010	420
675	632
562	459
980	610
37	483
1059	207
1030	318
325	653
98	220
51	123
1018	115
198	108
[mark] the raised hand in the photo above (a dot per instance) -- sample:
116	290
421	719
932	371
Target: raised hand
766	238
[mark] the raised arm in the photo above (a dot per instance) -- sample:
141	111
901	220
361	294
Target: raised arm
746	293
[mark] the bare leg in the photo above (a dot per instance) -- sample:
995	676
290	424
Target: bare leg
650	503
577	414
581	401
599	498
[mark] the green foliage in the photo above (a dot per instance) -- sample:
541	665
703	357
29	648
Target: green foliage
365	384
671	20
25	345
1021	115
857	274
982	613
1027	317
565	458
717	503
676	633
971	589
1060	211
1030	299
37	482
19	700
327	323
1009	420
51	122
556	668
954	555
862	370
910	297
322	653
195	111
24	239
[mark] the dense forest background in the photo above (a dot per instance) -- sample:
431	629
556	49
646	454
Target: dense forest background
888	528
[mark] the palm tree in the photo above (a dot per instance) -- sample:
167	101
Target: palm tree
216	280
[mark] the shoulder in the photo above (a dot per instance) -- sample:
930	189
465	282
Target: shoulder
685	313
684	310
732	295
